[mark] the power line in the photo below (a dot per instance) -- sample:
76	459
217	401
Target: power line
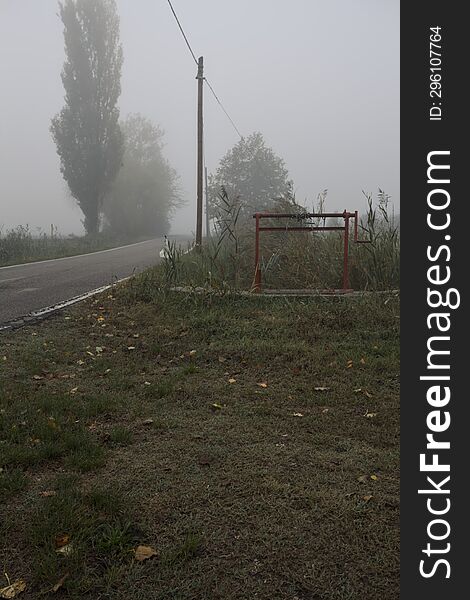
182	31
223	108
205	79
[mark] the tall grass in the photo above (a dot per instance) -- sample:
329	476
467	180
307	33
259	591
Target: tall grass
21	244
292	260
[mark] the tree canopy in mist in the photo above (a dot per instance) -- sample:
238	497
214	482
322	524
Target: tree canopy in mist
145	193
253	173
86	131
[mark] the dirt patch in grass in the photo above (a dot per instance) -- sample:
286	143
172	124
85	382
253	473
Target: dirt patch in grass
252	442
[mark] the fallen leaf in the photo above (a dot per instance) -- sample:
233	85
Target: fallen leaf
232	380
206	460
73	390
374	477
100	319
98	349
147	421
65	550
216	406
142	553
362	478
62	540
263	384
12	590
48	493
131	347
55	588
222	359
367	498
325	410
363	361
297	414
349	364
370	415
192	352
321	389
37	377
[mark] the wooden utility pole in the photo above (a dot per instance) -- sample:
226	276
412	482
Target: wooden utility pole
200	156
208	225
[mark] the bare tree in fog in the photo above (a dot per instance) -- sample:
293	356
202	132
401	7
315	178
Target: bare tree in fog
86	131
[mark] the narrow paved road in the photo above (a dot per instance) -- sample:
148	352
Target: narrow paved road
31	287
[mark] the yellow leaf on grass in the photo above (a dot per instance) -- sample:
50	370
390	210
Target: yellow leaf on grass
142	553
216	406
232	380
263	384
11	591
374	477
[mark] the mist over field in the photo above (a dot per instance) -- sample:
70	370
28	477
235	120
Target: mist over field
320	80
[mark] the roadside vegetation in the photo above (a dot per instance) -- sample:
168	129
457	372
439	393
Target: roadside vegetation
249	444
21	244
310	261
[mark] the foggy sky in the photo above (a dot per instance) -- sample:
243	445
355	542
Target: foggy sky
319	78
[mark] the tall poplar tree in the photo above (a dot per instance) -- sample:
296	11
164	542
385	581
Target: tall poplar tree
86	131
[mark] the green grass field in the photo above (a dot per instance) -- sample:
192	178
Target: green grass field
252	443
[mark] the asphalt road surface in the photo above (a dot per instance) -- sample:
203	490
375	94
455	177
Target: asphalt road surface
31	287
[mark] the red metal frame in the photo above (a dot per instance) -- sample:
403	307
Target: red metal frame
301	216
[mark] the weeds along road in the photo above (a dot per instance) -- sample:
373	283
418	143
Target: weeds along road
31	287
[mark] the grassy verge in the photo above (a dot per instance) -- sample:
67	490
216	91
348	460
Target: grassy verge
251	442
292	260
19	245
